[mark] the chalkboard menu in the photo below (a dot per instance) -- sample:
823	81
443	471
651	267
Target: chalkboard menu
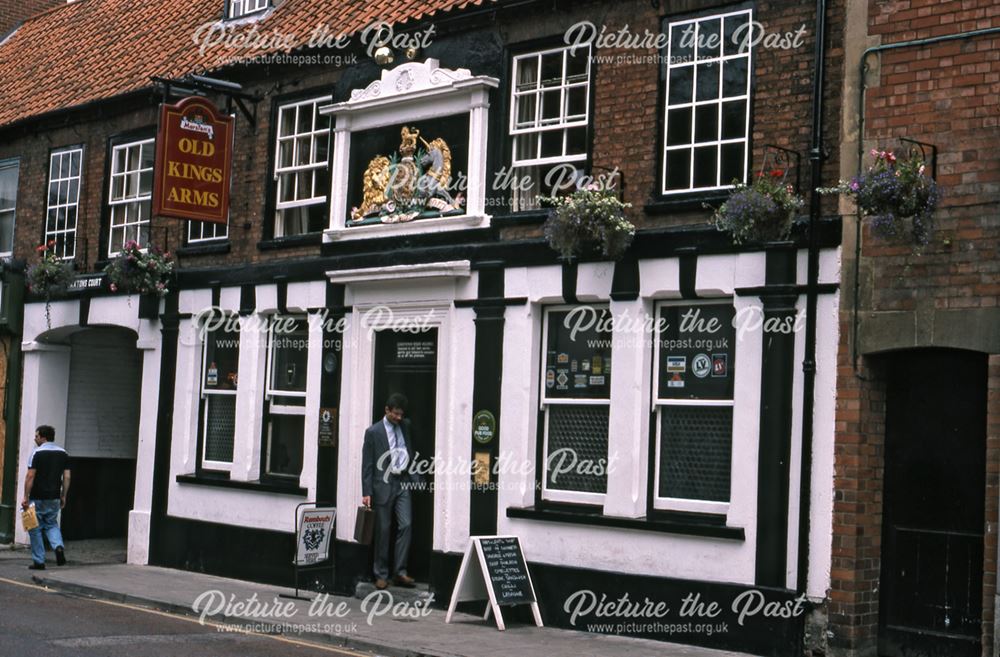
578	354
507	571
493	568
697	347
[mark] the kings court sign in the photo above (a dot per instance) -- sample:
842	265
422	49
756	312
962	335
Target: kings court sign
194	160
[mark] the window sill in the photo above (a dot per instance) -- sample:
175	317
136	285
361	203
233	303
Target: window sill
687	524
308	239
207	248
685	202
258	486
524	218
417	227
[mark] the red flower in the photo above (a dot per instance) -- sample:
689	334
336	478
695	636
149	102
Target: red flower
41	248
777	173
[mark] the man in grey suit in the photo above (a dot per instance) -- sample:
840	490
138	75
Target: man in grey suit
386	457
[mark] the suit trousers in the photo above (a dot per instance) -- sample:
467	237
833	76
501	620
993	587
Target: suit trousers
400	506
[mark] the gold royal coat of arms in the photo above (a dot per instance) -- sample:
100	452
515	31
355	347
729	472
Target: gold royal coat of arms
411	184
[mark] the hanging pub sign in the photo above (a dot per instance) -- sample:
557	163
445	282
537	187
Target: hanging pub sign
696	351
194	161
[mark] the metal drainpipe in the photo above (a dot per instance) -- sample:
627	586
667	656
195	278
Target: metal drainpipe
862	69
812	279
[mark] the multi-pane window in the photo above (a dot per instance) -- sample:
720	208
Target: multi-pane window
205	231
65	169
8	205
239	8
131	191
285	397
693	400
707	112
219	381
301	168
549	118
575	403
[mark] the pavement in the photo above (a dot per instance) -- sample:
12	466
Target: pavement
383	625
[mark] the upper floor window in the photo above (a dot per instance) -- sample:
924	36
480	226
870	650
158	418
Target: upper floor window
238	8
8	205
576	403
131	192
301	163
549	120
206	231
693	403
707	113
65	171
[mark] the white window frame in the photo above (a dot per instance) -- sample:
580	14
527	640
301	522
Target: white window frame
74	153
658	404
137	197
241	8
219	231
270	392
545	403
717	143
206	394
16	165
562	122
315	166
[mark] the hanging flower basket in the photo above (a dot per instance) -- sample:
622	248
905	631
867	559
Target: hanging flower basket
49	277
589	221
135	271
759	212
895	194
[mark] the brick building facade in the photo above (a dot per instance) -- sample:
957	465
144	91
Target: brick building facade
931	75
498	281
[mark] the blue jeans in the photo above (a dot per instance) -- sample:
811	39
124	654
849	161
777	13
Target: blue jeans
48	522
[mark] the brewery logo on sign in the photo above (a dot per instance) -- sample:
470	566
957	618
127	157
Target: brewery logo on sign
701	366
720	365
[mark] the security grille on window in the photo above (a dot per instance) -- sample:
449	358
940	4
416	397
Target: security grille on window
707	114
288	351
301	168
206	231
219	380
131	192
575	400
8	205
693	399
549	118
63	204
239	8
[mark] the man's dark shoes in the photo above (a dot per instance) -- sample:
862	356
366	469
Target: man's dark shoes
381	584
36	566
60	557
405	581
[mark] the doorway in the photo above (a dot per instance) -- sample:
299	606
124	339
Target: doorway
406	362
931	591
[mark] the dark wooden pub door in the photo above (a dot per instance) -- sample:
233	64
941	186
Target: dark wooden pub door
406	362
930	598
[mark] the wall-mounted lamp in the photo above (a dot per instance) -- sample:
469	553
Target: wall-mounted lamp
384	56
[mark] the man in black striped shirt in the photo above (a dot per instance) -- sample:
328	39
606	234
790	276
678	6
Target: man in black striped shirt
46	486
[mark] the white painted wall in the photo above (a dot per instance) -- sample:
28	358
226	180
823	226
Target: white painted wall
46	392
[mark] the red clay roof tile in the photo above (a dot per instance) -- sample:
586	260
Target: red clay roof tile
90	50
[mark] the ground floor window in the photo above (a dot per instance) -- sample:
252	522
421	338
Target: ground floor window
694	366
575	403
285	396
219	380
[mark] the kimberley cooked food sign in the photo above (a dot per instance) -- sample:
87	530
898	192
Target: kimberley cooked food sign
194	160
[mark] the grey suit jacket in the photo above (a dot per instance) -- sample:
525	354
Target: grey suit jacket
374	479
